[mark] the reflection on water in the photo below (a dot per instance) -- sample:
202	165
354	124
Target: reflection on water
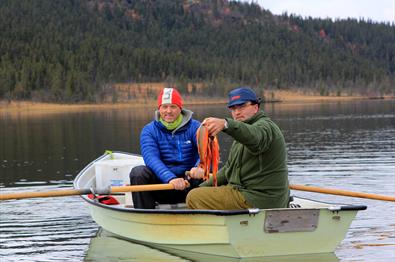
348	145
44	229
52	149
106	247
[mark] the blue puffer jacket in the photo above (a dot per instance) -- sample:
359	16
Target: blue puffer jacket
170	153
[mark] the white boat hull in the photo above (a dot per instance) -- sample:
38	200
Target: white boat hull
308	227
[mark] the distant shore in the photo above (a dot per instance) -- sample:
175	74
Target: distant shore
26	107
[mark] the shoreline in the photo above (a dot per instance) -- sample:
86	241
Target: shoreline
288	97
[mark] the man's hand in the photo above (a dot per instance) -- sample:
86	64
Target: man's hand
196	173
214	125
179	183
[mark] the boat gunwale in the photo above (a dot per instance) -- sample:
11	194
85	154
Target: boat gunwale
253	211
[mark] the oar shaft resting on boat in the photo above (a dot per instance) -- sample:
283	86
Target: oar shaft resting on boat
341	192
74	192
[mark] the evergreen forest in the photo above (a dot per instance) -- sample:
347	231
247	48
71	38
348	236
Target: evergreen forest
74	50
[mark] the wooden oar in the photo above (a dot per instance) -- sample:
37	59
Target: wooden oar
156	187
341	192
73	192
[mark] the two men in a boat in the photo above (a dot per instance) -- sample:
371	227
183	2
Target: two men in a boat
168	146
255	174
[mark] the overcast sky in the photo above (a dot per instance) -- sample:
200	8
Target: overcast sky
376	10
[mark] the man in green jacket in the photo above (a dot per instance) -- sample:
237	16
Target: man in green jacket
255	174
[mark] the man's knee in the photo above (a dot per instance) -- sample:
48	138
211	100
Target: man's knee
193	198
139	175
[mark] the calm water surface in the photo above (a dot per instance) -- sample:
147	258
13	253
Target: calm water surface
347	145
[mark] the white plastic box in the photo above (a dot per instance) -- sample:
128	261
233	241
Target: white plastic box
114	172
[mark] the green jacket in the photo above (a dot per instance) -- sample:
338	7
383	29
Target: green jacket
257	162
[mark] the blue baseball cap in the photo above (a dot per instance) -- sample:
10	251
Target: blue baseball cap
242	95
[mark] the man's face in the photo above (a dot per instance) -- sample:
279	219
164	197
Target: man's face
169	112
244	111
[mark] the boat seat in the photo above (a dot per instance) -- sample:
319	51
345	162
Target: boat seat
128	199
171	206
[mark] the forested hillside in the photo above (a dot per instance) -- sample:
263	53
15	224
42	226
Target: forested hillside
73	50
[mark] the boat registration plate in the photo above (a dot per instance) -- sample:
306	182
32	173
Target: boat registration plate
280	221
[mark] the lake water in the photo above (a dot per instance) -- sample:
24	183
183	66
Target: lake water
344	145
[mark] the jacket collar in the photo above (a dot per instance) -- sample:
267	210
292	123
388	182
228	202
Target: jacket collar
186	116
255	117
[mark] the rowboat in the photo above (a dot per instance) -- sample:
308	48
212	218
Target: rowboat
305	227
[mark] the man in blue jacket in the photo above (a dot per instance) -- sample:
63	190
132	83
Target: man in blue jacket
168	145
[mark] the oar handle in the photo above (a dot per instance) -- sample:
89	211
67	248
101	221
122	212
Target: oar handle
341	192
139	188
85	191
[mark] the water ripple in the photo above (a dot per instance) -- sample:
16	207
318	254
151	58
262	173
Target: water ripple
45	229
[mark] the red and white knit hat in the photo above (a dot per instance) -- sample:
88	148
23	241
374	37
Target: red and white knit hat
170	96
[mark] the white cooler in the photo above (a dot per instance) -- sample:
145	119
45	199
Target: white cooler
115	172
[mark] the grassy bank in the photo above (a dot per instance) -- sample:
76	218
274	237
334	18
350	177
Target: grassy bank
25	107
